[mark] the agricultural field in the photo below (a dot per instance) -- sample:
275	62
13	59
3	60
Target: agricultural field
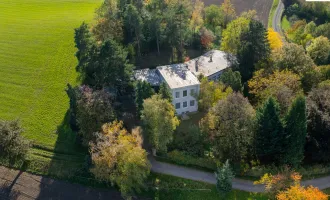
36	62
261	6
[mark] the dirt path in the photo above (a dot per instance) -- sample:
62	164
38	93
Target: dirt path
16	185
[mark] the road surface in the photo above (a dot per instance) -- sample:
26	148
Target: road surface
278	17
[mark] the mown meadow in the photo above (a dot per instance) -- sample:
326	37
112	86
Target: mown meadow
36	62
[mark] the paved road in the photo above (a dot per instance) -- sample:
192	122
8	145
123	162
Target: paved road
239	184
277	18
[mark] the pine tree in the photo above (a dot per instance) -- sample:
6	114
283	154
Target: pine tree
296	130
165	92
269	134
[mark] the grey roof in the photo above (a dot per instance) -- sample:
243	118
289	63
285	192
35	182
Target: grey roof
177	75
149	75
203	64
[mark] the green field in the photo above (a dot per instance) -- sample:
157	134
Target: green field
36	62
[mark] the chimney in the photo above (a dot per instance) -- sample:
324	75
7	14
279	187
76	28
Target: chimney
196	65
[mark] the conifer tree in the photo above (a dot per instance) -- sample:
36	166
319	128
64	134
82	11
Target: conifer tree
269	134
143	91
165	92
296	130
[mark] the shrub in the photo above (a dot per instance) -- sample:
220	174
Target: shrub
12	144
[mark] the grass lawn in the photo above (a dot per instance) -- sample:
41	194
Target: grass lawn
169	187
272	12
36	62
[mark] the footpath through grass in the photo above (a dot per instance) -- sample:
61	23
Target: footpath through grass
36	62
272	12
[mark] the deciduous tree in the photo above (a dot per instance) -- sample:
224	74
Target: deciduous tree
213	17
228	11
159	121
118	157
274	39
319	50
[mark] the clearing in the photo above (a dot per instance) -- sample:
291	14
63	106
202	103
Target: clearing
261	6
36	62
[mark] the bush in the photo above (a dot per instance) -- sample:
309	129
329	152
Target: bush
184	159
12	144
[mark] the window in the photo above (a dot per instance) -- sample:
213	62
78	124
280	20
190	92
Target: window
184	104
177	94
192	103
192	91
184	93
177	105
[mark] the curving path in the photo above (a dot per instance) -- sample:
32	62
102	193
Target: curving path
207	177
276	24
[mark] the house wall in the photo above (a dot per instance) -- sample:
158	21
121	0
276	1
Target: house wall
181	99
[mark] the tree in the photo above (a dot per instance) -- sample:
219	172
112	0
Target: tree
296	130
293	57
311	79
165	92
232	79
318	147
159	122
196	21
231	36
282	85
319	50
224	176
134	24
254	49
299	192
118	157
269	138
143	90
12	145
207	38
230	126
210	93
228	11
108	24
274	39
94	108
213	17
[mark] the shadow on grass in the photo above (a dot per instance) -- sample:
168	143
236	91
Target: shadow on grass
69	163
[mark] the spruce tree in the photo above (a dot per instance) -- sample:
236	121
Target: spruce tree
296	130
224	176
143	90
269	135
165	92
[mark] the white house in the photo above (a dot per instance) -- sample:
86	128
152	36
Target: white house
182	78
184	86
210	65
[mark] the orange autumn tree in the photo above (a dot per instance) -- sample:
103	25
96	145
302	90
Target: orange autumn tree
286	186
274	39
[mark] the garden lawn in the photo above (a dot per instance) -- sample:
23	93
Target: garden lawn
36	62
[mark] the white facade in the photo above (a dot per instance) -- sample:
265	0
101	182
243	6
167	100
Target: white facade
184	99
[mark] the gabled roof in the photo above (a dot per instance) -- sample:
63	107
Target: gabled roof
177	75
149	75
203	64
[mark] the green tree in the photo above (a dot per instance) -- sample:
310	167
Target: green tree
319	50
94	108
254	49
311	79
12	145
230	125
228	11
211	92
318	106
118	157
134	25
269	137
296	131
143	90
232	79
224	176
165	92
293	57
159	122
213	17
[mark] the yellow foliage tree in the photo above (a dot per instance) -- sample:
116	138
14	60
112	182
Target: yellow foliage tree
300	193
274	38
118	157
